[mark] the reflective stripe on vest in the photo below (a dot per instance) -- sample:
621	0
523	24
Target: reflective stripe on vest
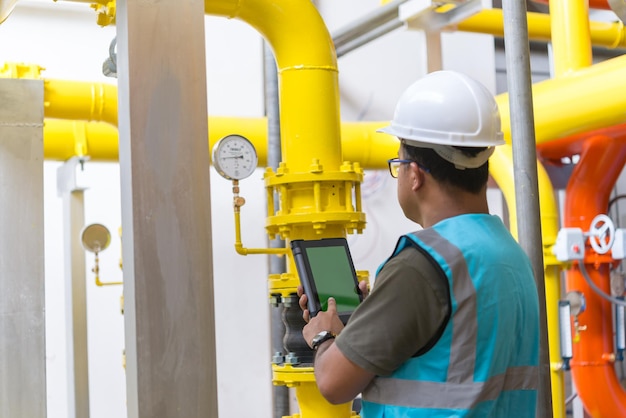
460	391
420	394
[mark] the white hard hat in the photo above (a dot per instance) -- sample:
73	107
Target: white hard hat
445	109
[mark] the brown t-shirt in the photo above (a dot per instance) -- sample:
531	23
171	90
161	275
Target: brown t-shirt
406	308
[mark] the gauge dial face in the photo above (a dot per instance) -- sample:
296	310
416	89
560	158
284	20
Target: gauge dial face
234	157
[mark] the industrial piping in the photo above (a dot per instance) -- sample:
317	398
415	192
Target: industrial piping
605	34
302	73
310	145
602	158
613	107
601	162
501	169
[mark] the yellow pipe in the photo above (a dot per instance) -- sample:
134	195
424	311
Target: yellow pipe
561	105
238	202
571	42
490	21
307	75
571	39
557	113
98	102
309	124
80	100
63	139
501	169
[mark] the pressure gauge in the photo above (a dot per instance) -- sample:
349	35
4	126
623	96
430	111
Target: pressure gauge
234	157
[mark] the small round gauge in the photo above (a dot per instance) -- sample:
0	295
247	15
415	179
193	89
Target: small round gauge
234	157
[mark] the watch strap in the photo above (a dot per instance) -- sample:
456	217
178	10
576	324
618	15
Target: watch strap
321	338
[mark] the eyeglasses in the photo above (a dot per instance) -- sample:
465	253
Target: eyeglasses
395	163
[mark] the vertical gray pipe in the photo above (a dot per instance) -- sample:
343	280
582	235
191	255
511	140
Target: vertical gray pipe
276	264
379	22
73	195
525	172
169	311
22	298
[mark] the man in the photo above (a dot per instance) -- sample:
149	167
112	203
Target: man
451	326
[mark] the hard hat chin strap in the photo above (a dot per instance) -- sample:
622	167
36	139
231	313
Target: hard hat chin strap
454	155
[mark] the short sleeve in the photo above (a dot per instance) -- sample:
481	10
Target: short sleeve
403	313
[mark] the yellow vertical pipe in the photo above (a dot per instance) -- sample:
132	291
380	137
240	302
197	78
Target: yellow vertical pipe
501	169
571	38
309	115
307	76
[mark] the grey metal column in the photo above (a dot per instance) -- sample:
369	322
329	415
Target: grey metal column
22	298
73	196
525	172
166	210
277	265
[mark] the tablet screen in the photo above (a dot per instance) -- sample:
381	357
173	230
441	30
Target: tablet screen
325	269
333	277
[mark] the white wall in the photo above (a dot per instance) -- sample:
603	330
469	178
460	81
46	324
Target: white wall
63	38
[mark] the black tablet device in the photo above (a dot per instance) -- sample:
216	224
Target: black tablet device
325	268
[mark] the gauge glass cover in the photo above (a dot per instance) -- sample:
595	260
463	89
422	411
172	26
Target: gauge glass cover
234	157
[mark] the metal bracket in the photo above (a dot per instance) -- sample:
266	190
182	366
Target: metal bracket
70	176
432	16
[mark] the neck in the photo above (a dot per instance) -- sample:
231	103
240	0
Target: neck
442	206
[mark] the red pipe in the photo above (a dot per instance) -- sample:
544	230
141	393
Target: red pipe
587	195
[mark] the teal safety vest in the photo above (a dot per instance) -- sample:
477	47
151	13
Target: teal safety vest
485	364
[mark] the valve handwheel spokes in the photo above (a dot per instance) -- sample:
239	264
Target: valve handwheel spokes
601	234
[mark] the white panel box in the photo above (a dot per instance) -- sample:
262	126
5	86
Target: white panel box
570	245
619	245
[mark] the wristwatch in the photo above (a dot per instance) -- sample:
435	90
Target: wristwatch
320	338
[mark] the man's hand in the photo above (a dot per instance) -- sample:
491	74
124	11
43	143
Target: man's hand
338	379
324	321
363	287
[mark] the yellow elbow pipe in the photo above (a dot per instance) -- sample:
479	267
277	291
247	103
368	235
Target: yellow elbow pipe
501	169
307	75
310	134
558	103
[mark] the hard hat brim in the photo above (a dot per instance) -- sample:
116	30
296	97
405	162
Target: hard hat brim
418	139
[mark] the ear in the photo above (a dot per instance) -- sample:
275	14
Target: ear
417	177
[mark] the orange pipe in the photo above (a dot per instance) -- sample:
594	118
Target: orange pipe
574	145
587	195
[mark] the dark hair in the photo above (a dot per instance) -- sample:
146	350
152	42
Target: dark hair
470	180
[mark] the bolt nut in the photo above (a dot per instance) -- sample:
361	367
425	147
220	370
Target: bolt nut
291	358
290	301
278	358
